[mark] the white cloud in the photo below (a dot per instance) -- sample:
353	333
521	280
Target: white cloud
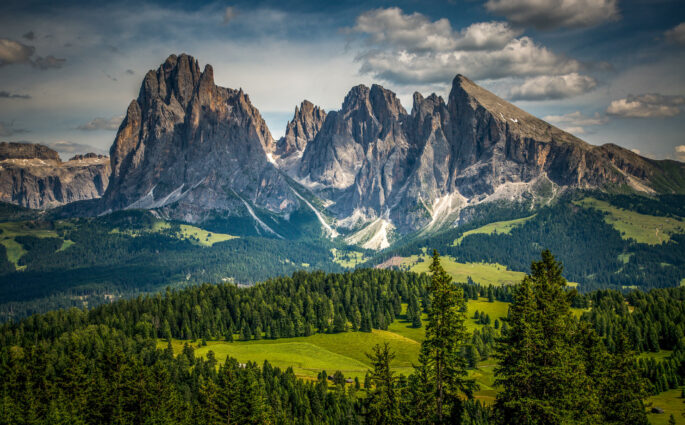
553	87
549	14
12	52
574	130
229	14
486	36
676	34
413	33
646	106
576	122
100	123
680	153
411	49
576	118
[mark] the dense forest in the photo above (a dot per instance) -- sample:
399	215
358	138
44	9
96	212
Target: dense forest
115	256
102	365
593	252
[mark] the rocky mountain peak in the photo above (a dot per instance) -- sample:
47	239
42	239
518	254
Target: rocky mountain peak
301	130
13	150
33	176
192	149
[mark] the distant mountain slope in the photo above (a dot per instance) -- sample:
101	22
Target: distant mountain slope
370	172
34	176
418	170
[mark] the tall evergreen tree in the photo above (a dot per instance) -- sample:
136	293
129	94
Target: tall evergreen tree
382	402
440	357
541	368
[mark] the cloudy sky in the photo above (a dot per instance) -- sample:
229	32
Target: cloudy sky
605	70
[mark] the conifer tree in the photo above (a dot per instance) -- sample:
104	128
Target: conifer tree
382	402
541	364
440	357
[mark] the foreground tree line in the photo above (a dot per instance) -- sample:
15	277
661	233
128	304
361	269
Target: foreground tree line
102	365
553	368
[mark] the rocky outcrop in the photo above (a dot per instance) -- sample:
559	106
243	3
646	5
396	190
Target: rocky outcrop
301	130
193	148
33	176
10	150
189	149
375	161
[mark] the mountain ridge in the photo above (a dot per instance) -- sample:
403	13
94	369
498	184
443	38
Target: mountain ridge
370	172
34	176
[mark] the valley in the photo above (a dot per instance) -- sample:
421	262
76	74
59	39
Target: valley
462	258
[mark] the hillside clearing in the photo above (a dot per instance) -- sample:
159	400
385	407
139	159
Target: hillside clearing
504	227
647	229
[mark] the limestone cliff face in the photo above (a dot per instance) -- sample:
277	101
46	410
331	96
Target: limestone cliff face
33	176
374	160
301	130
189	149
194	147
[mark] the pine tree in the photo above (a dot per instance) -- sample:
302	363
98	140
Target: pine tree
382	403
624	387
541	364
440	356
416	321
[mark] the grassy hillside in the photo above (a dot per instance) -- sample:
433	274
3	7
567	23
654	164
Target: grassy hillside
672	404
15	250
482	273
502	227
187	232
347	351
643	228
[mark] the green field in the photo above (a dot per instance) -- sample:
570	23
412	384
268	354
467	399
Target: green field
642	228
310	355
192	233
347	351
10	230
671	402
482	273
496	227
348	259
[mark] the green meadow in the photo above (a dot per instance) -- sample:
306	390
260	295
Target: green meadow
642	228
347	351
672	404
482	273
496	227
347	259
10	230
194	234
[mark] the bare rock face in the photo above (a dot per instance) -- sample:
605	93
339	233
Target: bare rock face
304	126
33	176
9	150
373	160
192	147
188	148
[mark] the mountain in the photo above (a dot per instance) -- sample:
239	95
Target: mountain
413	171
372	171
193	149
34	176
301	130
